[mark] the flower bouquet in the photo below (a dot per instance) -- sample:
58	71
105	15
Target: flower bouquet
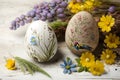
57	13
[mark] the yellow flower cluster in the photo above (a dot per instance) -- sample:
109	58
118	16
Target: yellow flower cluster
87	5
87	59
106	23
96	67
10	64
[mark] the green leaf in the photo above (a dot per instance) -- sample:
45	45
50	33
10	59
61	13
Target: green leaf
81	69
86	69
30	67
57	24
77	60
21	66
68	59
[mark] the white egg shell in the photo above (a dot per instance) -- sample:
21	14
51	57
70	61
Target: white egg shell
82	33
40	41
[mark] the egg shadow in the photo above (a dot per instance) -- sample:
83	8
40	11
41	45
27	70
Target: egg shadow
57	57
99	49
61	39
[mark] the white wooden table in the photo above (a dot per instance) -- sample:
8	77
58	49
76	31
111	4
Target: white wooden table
12	43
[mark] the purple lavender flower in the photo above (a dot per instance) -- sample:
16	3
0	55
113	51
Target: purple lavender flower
61	15
111	9
49	15
60	10
63	4
58	1
52	4
13	23
17	19
22	17
43	18
45	11
36	6
22	23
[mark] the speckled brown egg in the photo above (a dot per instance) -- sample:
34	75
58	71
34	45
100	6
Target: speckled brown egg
82	33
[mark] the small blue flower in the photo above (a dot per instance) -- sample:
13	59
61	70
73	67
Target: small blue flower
33	40
68	66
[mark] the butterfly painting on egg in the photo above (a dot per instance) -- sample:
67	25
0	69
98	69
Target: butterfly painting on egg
78	46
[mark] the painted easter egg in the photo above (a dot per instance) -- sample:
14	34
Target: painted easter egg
82	33
40	41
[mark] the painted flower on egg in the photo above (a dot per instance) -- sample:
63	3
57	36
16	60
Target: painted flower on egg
33	40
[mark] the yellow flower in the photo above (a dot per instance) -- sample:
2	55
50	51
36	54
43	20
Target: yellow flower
108	56
87	59
70	4
89	5
112	40
75	7
97	2
97	68
10	64
106	23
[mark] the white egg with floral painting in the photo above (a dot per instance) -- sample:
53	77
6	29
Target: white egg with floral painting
40	41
